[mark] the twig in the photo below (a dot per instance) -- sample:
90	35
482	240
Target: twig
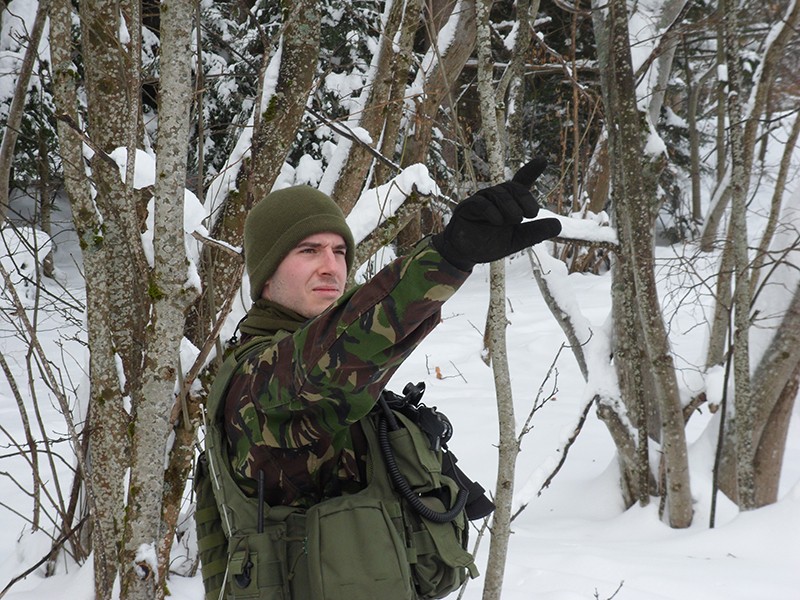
565	67
64	118
345	131
51	379
388	230
538	403
573	436
610	246
665	37
481	532
218	244
572	8
460	374
619	587
693	406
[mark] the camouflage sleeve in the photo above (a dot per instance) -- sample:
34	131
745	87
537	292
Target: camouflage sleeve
312	385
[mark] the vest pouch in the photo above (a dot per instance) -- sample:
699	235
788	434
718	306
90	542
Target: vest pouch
257	567
439	560
356	551
421	466
212	545
442	563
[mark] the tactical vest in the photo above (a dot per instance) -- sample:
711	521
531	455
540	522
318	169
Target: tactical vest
377	543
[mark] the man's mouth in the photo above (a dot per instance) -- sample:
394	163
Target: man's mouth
327	289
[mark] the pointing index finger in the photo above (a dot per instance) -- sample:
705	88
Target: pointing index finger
530	172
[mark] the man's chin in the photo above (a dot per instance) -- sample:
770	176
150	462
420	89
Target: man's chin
319	307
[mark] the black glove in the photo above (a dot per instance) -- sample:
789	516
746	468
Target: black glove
488	225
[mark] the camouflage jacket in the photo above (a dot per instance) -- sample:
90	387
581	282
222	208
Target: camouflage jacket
292	409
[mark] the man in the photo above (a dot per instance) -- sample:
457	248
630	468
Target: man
295	407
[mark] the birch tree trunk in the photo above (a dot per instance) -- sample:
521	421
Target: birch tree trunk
272	138
143	575
496	323
117	315
742	418
16	110
634	185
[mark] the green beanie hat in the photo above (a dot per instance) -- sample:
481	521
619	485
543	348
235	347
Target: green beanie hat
281	221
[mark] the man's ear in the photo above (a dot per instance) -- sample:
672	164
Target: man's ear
265	291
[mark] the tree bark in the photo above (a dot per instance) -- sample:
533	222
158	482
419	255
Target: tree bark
392	141
629	354
756	104
107	70
272	139
695	87
496	322
762	253
107	419
144	564
723	305
742	420
771	448
771	381
634	186
17	108
381	101
445	68
508	448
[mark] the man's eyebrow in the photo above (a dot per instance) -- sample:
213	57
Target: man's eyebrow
306	244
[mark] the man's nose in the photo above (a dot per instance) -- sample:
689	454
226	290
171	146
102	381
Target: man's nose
328	262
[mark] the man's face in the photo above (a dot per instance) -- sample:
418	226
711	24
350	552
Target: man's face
311	277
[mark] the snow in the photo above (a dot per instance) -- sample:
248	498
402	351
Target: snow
225	181
447	34
19	248
194	213
674	120
146	560
591	227
376	205
574	540
655	145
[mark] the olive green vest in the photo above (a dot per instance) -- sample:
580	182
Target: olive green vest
361	546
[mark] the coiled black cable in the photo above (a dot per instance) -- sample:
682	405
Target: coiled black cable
402	485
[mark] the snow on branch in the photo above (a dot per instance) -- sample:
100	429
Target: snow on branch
193	212
378	205
593	231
